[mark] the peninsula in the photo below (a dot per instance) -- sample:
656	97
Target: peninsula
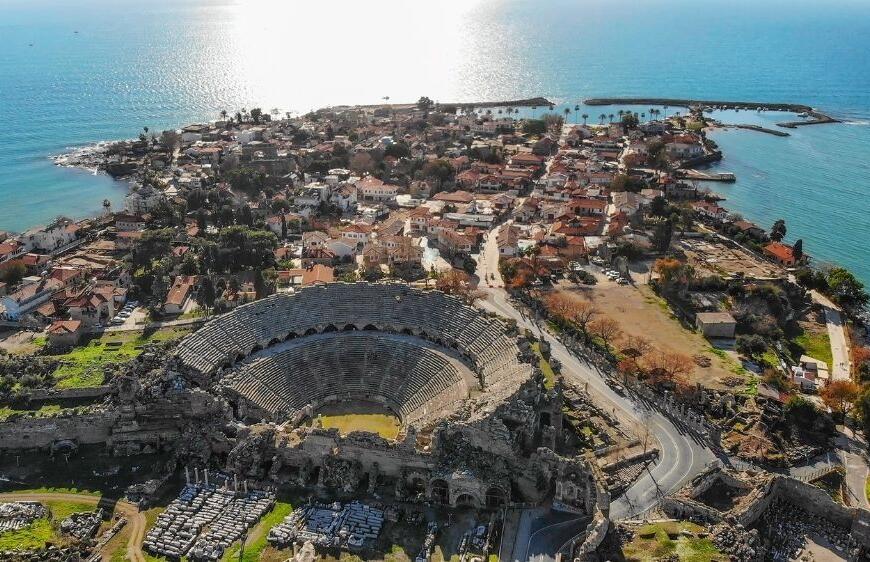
424	331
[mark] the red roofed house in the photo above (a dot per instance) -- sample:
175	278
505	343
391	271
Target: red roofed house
317	274
64	333
454	197
180	293
781	253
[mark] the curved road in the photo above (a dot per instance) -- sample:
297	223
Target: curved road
135	519
681	455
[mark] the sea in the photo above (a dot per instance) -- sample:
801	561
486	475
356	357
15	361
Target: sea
76	73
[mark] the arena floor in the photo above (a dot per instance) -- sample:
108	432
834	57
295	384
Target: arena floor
359	416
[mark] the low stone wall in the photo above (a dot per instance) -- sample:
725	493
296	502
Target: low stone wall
685	508
815	500
595	533
39	433
54	394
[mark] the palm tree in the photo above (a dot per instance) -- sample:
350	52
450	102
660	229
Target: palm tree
602	117
620	113
224	114
567	112
666	111
652	111
610	117
585	116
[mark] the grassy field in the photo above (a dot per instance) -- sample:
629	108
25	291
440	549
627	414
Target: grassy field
257	542
659	541
384	425
544	365
817	345
42	532
46	410
83	365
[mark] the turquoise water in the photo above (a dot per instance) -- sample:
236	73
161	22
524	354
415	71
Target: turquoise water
163	63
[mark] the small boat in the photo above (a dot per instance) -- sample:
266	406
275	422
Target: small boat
803	114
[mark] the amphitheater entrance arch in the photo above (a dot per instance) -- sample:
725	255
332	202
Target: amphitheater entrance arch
416	486
370	328
310	331
440	492
408	331
495	498
466	500
349	328
330	328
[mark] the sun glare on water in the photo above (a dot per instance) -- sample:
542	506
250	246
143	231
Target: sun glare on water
313	54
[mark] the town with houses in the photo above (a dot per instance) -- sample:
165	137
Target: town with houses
630	334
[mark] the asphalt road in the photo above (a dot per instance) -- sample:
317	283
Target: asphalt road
681	455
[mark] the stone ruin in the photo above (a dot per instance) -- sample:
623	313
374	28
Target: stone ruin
763	516
478	427
18	515
82	526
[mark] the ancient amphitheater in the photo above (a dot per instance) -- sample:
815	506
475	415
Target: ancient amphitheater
478	427
419	354
241	396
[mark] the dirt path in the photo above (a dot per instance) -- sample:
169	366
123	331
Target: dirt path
135	519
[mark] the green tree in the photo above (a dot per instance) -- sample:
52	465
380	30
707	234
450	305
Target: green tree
798	249
845	289
189	265
659	206
206	295
13	273
778	231
534	127
661	239
256	114
751	346
862	407
801	412
630	121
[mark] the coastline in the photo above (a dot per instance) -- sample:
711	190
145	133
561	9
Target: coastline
92	157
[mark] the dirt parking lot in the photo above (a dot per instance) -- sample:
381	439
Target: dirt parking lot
641	313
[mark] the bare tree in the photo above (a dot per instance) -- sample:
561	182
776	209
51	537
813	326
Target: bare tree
607	329
669	366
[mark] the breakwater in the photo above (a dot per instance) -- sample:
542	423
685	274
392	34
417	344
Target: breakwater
682	102
760	129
